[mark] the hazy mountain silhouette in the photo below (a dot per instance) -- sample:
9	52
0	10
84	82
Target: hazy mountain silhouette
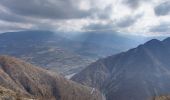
67	54
43	48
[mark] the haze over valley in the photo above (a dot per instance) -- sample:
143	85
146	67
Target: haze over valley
84	49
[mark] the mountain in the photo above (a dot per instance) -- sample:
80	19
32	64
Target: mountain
7	94
62	52
137	74
43	48
96	44
29	81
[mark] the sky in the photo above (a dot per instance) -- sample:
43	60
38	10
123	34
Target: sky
130	17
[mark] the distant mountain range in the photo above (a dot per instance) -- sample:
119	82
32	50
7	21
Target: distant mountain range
43	48
64	53
22	81
141	73
101	44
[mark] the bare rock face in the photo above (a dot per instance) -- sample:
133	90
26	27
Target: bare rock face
138	74
34	82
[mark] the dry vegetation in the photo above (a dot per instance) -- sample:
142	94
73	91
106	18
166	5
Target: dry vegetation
31	81
162	98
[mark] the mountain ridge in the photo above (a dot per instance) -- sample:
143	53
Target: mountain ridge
34	82
66	53
144	69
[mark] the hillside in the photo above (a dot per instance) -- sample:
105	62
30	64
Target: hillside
138	74
7	94
34	82
162	98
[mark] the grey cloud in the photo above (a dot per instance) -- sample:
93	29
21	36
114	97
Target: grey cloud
34	11
162	28
133	3
48	14
105	13
128	21
58	9
9	17
114	25
7	28
99	26
162	9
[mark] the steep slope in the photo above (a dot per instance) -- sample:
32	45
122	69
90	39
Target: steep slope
137	74
28	80
7	94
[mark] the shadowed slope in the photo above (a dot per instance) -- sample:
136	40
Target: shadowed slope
137	74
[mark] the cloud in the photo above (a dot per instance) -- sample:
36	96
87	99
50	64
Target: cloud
115	25
6	15
163	9
128	21
104	13
132	3
98	27
55	9
60	9
7	26
162	28
128	16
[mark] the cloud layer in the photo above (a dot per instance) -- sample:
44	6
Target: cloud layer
136	17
